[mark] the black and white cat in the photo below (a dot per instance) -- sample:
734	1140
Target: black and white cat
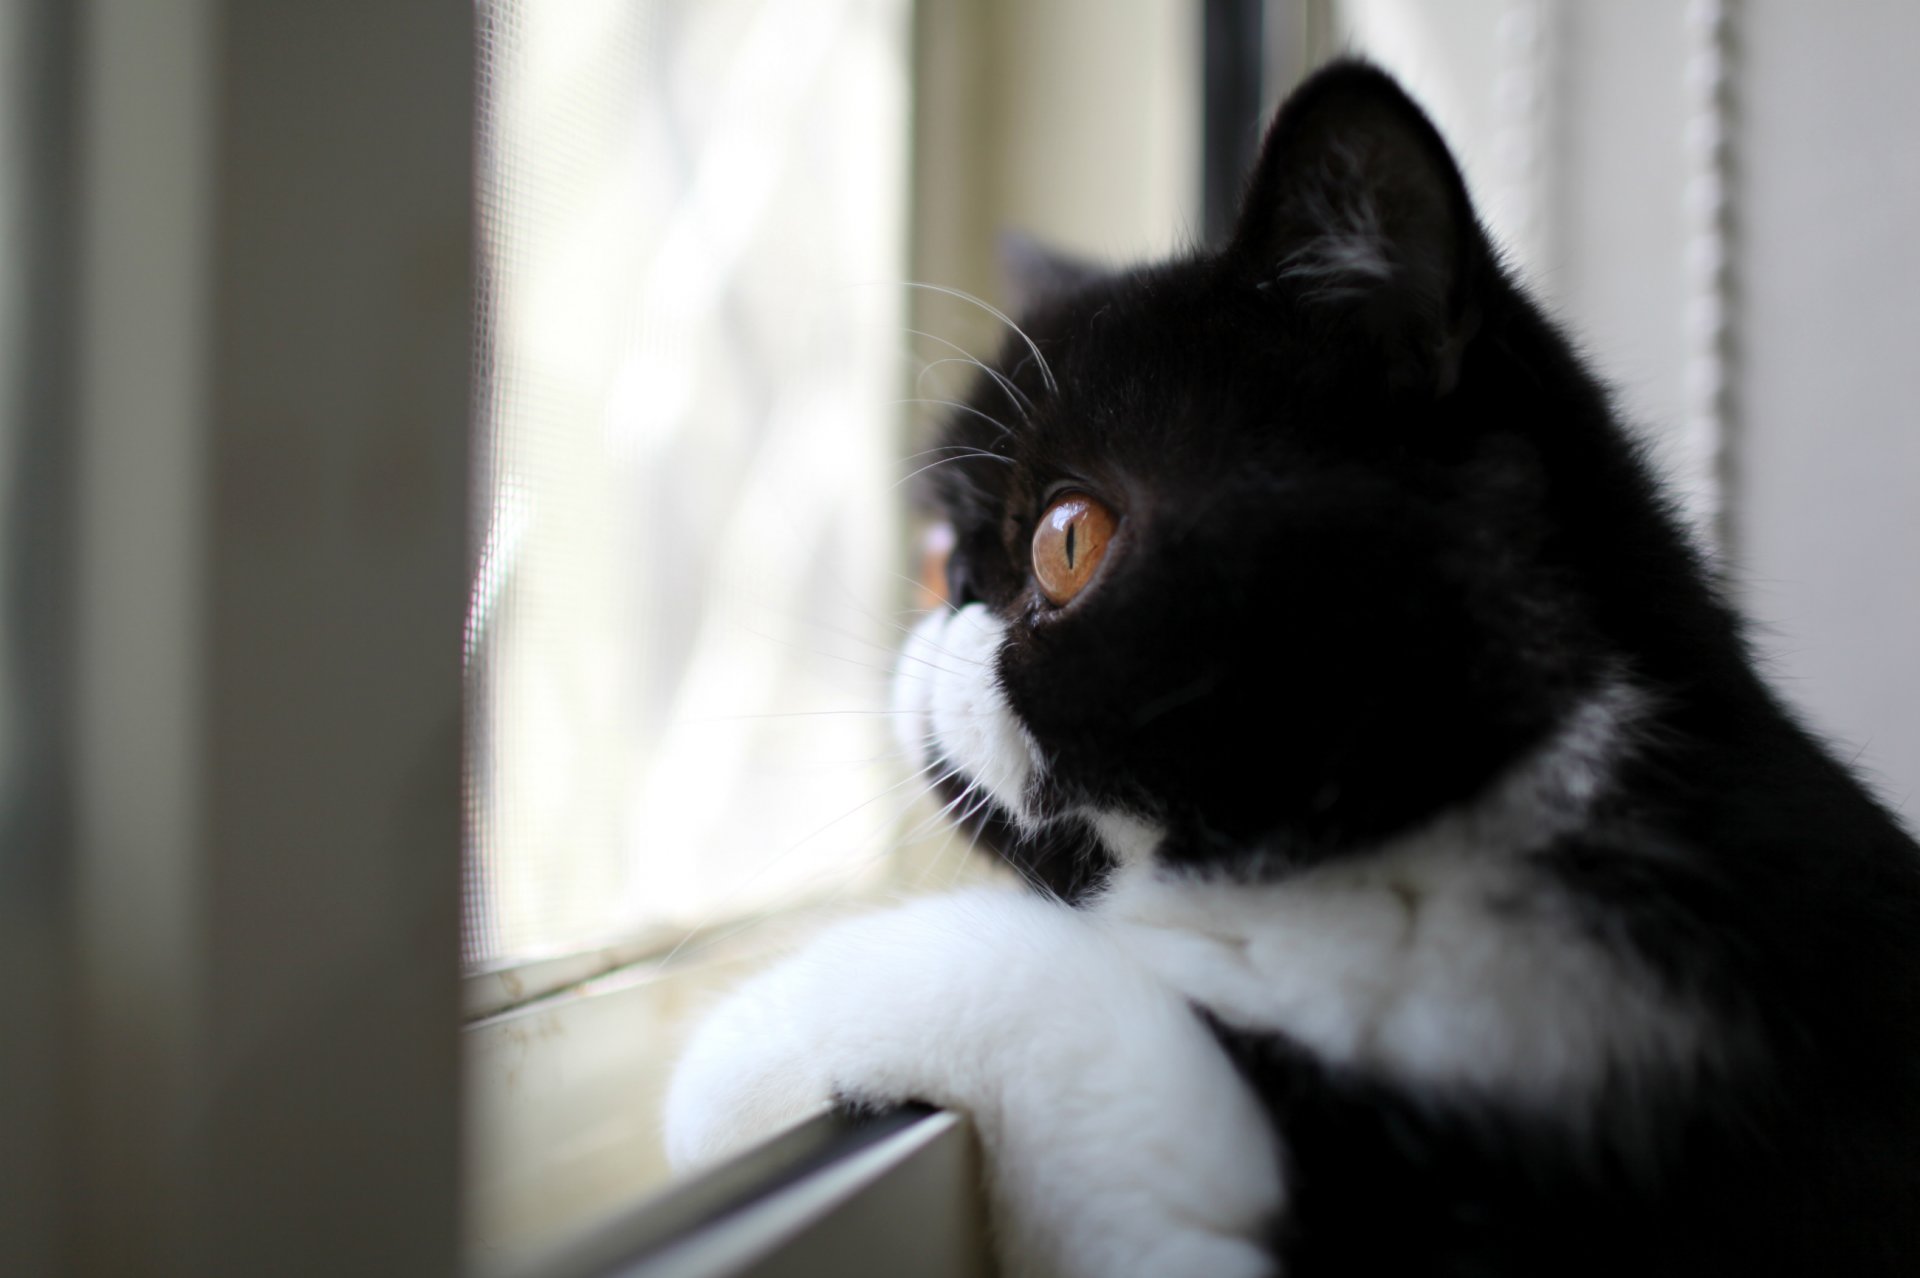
1433	886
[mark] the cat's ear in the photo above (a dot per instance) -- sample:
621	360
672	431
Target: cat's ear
1356	204
1032	272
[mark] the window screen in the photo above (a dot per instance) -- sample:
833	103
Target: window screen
689	350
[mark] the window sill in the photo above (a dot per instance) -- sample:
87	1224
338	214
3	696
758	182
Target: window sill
890	1194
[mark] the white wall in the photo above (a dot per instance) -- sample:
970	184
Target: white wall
1586	130
1827	490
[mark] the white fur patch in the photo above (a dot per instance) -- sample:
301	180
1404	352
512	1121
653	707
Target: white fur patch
1122	1141
1130	839
1441	959
948	691
1429	967
1349	242
1353	257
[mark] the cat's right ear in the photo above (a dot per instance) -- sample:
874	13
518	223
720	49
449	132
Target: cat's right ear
1032	272
1357	206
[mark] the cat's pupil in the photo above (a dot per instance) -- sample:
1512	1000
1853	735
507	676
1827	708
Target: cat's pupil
1071	529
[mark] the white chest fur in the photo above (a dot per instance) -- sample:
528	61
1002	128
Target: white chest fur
1429	965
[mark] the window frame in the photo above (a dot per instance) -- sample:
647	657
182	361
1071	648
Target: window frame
259	379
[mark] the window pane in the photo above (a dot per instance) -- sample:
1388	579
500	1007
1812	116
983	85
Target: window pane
688	339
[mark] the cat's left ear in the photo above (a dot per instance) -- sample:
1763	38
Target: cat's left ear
1356	205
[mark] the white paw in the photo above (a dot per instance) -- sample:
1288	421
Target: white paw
748	1072
1119	1138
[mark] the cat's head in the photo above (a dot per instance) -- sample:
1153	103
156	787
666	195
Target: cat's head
1269	552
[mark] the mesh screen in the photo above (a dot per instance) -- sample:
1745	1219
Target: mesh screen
687	340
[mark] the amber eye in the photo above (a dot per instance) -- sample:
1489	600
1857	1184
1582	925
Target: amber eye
1069	545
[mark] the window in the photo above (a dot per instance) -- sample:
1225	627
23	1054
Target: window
690	357
692	221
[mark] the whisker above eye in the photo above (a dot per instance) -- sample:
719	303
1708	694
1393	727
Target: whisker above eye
1020	401
960	450
965	356
1046	371
957	406
945	460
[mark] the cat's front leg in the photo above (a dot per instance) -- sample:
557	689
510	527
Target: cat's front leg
1120	1140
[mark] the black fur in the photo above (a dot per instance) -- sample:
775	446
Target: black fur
1380	531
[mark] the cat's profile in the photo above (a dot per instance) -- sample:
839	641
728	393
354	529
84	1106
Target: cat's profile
1432	884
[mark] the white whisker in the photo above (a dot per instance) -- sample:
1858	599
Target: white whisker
957	406
1046	372
965	356
944	461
